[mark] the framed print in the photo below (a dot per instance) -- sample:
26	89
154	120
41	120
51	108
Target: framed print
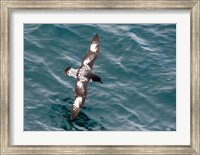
97	77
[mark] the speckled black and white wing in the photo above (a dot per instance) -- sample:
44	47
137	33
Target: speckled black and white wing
80	97
76	106
92	53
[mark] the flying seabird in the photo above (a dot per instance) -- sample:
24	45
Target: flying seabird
83	76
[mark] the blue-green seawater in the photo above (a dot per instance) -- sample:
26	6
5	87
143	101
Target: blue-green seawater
137	64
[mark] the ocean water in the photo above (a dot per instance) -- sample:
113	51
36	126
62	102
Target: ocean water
137	64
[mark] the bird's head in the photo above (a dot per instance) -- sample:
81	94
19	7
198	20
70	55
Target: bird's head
96	78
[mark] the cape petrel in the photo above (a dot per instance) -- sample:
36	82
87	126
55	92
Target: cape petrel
83	76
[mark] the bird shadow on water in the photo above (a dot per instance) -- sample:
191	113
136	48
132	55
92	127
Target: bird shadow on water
60	114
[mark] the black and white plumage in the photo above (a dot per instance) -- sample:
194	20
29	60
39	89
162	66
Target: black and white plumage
83	76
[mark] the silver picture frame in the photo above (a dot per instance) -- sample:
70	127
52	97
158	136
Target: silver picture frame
7	6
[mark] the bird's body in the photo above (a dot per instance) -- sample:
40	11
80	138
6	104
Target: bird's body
83	76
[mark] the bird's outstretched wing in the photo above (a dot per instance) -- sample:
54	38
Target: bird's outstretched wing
80	97
92	53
